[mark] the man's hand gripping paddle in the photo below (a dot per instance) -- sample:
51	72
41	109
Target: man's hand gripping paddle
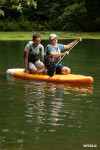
52	69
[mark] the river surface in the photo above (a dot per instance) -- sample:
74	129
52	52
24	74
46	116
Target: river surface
44	116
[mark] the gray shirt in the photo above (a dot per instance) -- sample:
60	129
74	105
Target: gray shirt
35	50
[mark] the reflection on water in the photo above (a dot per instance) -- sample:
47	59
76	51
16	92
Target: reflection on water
45	103
49	105
48	108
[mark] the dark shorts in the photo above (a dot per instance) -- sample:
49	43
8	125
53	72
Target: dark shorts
58	68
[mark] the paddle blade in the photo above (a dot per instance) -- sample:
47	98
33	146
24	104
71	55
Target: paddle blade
51	70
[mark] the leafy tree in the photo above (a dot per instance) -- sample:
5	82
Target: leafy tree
16	4
83	15
93	15
73	17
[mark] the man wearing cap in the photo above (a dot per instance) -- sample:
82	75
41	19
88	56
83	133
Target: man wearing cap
54	50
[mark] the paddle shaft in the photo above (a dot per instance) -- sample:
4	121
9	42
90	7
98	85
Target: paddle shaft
66	54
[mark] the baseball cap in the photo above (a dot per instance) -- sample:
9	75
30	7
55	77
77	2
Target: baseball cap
52	36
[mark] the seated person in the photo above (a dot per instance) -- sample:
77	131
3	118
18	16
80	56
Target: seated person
54	50
32	53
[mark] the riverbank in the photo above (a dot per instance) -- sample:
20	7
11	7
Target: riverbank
45	34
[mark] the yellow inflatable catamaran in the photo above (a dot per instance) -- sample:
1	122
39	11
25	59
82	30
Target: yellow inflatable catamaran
58	78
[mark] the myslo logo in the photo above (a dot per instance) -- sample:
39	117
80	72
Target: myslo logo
89	145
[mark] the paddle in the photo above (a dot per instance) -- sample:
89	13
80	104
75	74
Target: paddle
51	70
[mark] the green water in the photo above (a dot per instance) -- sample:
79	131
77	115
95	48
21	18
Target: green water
44	116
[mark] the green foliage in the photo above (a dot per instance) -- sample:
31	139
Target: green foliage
1	13
32	3
8	26
43	25
1	26
65	15
23	23
17	4
37	26
73	17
